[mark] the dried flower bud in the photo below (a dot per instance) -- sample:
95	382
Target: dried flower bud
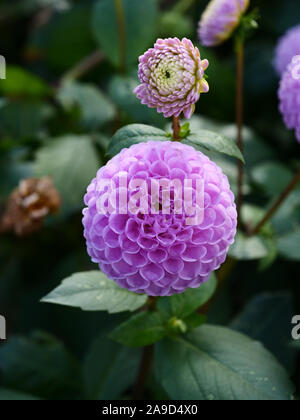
29	204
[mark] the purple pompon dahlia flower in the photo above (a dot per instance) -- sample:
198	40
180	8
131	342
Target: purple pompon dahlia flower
288	46
289	96
219	20
172	77
150	244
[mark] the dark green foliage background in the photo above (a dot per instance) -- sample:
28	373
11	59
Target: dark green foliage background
65	131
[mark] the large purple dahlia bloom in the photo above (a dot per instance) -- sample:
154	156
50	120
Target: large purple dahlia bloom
289	96
288	46
172	77
220	19
159	252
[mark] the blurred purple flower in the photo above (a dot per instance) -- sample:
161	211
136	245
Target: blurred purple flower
289	96
160	254
288	46
172	77
219	20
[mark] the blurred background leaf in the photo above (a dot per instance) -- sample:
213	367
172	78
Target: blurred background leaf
72	162
117	23
51	125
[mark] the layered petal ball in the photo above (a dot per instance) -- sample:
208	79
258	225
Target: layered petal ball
288	46
156	247
289	96
172	77
220	19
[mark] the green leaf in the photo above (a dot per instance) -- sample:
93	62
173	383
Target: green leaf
109	369
266	262
138	35
256	150
24	119
184	304
288	245
252	215
121	91
133	134
221	79
257	321
72	162
96	109
198	122
93	291
25	7
215	142
184	130
175	24
9	395
195	320
140	330
21	82
273	177
12	170
215	363
66	39
296	344
248	248
39	365
287	218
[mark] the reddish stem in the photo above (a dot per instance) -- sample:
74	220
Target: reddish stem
277	204
84	66
144	370
176	128
239	122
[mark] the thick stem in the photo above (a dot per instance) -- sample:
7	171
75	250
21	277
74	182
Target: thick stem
277	204
239	121
122	33
84	66
144	370
146	361
176	128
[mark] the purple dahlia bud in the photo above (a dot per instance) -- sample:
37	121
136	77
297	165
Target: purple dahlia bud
156	247
288	46
172	77
289	96
220	19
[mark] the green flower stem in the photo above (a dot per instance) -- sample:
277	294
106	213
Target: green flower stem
277	204
183	5
176	128
146	361
122	33
239	119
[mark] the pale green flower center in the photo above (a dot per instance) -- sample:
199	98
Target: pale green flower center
166	75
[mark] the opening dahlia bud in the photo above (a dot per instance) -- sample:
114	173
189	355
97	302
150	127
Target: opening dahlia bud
172	77
29	204
288	46
160	217
289	94
220	19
